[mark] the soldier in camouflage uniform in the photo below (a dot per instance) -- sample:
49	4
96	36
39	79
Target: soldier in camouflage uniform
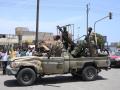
57	47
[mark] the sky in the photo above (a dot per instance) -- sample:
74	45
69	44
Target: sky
22	13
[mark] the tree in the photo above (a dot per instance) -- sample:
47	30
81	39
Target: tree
118	46
100	40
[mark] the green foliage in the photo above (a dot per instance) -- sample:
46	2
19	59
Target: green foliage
118	46
100	40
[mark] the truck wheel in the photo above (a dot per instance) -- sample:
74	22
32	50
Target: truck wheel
26	77
89	73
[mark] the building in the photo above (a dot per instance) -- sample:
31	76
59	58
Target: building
24	35
8	39
114	44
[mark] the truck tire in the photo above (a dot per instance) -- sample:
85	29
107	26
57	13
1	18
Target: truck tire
26	76
89	73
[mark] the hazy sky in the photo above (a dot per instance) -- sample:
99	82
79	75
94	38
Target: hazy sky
21	13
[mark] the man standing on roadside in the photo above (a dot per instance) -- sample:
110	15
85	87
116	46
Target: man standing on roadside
4	61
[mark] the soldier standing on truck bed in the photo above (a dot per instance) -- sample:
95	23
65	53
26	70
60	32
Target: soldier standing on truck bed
65	33
56	49
90	39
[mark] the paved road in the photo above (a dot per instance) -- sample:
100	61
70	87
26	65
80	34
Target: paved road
107	80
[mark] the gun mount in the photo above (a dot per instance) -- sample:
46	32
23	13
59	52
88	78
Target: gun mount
66	39
86	48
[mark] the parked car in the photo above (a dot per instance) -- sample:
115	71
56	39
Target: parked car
115	59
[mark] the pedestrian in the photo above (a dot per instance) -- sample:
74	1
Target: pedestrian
0	58
12	53
22	52
0	54
4	61
29	52
18	52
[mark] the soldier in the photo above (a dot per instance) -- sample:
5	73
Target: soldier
93	45
57	47
90	38
65	33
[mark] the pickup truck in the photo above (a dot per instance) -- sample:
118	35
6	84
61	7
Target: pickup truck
26	69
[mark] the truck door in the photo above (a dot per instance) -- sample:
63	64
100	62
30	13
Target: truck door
55	65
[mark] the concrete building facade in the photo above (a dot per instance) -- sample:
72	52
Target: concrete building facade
24	35
8	39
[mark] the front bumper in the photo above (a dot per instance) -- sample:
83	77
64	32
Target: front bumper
11	71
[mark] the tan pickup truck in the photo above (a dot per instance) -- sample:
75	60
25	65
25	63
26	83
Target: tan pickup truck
27	69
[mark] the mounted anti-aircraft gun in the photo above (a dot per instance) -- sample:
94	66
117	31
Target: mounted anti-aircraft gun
67	41
84	47
77	50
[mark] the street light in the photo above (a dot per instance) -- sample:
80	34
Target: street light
108	16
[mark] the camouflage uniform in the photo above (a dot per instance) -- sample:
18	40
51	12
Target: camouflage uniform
57	48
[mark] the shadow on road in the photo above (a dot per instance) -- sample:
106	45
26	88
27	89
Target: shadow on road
115	67
11	83
50	81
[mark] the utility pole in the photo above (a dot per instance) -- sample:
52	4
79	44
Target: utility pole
87	12
37	25
88	33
